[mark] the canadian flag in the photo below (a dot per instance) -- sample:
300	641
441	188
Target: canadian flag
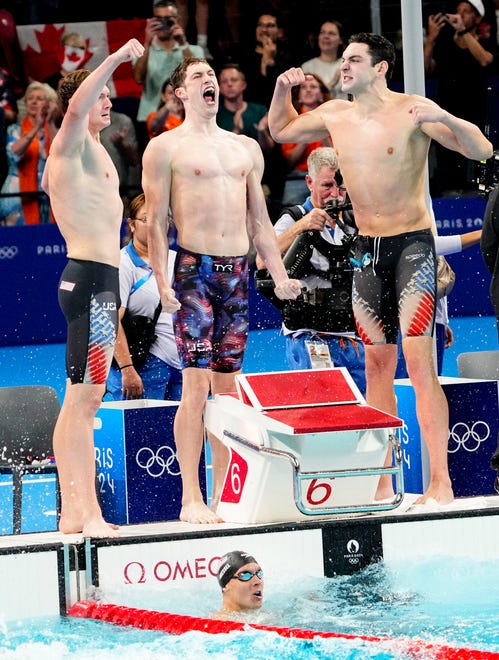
41	46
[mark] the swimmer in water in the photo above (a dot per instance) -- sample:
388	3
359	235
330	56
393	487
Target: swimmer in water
241	579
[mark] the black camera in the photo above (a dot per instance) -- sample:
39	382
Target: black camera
487	174
347	222
166	22
333	208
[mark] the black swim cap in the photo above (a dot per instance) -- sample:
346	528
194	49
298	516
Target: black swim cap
230	563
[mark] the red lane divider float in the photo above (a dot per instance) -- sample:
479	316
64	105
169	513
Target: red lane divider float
176	624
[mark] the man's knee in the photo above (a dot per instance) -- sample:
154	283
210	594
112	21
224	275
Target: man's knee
381	361
419	358
85	399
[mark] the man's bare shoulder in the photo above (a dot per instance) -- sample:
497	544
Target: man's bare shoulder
334	106
403	100
413	98
246	141
164	145
170	137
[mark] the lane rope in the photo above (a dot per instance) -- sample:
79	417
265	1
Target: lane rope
177	624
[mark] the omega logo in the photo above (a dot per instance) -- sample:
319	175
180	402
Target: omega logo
135	572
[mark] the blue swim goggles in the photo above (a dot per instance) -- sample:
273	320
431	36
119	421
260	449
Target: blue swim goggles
246	576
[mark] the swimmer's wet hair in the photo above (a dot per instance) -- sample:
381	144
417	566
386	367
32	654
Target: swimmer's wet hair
68	86
177	78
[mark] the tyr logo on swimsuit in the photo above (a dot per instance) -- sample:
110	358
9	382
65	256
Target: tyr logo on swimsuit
223	268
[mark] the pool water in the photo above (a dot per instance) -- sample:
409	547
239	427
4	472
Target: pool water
84	639
447	601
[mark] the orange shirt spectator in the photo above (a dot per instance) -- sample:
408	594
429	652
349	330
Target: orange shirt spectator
308	96
169	114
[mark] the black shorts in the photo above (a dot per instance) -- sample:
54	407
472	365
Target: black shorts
89	298
396	288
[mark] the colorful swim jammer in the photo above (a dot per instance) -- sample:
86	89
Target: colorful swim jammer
211	326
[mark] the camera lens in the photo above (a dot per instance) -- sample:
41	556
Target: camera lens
167	22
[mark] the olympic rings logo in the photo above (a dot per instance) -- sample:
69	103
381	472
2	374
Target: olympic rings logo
155	464
8	251
468	438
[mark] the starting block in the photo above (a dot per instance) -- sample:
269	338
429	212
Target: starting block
302	443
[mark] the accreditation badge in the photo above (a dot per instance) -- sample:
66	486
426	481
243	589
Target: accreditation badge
318	351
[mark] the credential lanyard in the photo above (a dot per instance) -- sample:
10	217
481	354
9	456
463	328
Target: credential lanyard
138	262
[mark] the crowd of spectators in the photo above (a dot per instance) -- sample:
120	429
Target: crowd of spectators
249	45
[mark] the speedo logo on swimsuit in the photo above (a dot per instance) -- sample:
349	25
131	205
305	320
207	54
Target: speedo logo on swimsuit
223	268
414	257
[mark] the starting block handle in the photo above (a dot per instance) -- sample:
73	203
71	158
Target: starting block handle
358	508
396	470
299	477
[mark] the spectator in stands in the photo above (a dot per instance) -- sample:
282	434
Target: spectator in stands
73	53
165	47
28	145
8	102
202	16
239	116
263	63
225	18
8	115
170	112
226	37
241	580
327	64
11	58
458	51
120	141
307	96
159	376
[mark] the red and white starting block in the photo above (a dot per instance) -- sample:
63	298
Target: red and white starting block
302	443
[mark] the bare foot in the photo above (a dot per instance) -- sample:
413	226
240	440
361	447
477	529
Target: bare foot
98	528
70	524
67	526
198	512
384	491
440	492
384	494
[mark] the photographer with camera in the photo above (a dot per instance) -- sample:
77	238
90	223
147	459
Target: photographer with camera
489	246
315	239
165	46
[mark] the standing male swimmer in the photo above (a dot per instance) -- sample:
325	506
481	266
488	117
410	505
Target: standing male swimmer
382	140
211	179
83	186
